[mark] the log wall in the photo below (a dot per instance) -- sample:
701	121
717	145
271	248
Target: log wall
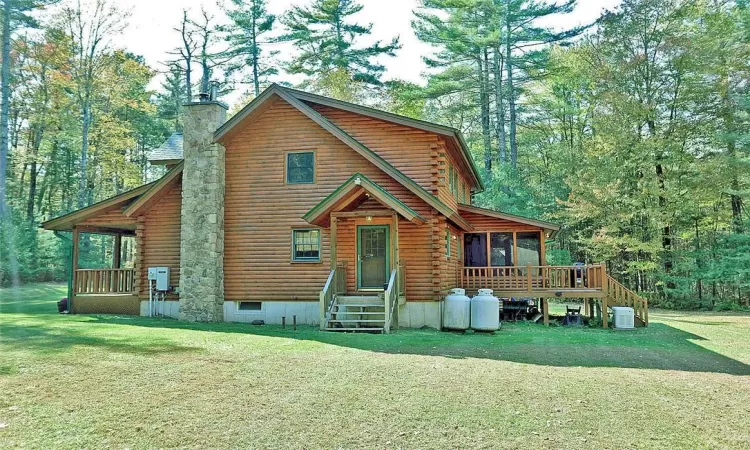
262	210
158	240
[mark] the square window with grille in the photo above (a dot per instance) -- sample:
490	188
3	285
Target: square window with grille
306	245
300	167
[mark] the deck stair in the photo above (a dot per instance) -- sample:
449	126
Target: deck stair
619	295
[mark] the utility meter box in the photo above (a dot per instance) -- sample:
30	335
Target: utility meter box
152	274
162	278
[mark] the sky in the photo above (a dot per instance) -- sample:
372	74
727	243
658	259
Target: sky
151	29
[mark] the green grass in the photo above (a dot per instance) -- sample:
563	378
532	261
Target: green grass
96	381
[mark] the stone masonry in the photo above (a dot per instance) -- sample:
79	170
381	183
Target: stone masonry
202	228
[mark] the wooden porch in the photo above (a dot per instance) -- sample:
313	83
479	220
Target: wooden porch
591	283
103	290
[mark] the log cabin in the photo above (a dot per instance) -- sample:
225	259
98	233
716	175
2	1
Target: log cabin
306	208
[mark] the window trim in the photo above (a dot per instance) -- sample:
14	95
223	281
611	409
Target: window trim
317	260
315	166
448	243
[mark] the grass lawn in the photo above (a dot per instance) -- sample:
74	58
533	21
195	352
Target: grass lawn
96	381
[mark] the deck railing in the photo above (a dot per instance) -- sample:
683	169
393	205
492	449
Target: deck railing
619	295
104	281
534	278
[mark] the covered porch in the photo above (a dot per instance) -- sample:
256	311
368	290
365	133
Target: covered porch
367	279
103	277
507	254
110	289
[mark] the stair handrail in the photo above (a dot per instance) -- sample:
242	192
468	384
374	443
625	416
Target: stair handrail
327	297
401	277
390	299
620	295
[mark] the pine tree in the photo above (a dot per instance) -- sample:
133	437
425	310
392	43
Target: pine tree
250	22
327	43
172	96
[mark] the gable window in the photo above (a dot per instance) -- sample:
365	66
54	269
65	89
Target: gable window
306	245
300	167
463	193
450	179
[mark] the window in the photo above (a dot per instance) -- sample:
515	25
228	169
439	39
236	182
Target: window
300	167
450	179
529	247
448	243
501	249
249	306
463	193
306	245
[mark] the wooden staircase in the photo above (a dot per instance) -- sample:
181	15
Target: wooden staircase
357	313
619	295
376	313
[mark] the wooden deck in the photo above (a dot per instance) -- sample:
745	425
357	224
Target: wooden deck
545	282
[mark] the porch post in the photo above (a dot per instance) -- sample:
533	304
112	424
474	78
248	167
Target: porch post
74	268
605	292
334	222
394	240
117	252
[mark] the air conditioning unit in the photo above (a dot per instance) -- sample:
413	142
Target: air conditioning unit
623	317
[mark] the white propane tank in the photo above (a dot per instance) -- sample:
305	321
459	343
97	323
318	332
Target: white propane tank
485	311
457	310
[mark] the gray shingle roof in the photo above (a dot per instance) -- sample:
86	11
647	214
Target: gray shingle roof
170	150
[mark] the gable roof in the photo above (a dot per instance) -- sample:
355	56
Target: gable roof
156	191
67	221
552	228
353	189
170	152
229	129
450	132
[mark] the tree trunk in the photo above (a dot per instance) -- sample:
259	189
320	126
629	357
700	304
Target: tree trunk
511	93
484	105
5	88
82	183
499	108
256	77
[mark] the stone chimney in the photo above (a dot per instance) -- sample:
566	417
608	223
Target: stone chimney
202	224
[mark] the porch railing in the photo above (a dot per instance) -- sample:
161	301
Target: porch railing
104	281
534	278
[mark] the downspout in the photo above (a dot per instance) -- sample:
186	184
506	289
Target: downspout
68	269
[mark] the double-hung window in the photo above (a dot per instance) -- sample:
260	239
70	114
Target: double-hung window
306	245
